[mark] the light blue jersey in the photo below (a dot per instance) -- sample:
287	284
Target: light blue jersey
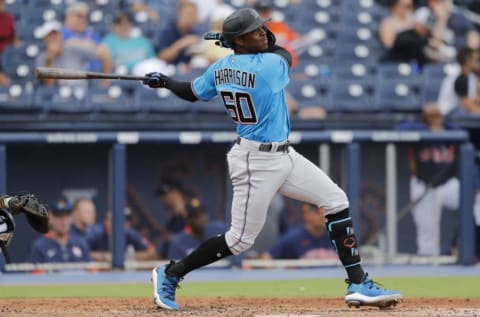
251	87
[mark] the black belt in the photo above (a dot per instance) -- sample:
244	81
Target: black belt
267	147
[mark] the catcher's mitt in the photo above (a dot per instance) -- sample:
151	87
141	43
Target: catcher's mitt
35	211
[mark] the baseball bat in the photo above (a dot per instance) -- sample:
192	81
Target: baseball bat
63	73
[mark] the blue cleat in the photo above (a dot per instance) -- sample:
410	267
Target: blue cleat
164	288
368	293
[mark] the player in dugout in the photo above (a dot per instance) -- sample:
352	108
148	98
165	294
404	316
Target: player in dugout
251	83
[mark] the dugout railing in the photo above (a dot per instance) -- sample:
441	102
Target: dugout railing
350	141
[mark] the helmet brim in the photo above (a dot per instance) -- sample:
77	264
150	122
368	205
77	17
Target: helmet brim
260	22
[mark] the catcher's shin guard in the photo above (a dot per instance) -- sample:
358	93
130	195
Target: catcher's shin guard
342	235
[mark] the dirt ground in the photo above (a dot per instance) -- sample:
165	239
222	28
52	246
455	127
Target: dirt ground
99	307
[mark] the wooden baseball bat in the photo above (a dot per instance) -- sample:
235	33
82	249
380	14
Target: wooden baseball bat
63	73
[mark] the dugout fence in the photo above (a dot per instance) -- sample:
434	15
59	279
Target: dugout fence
351	144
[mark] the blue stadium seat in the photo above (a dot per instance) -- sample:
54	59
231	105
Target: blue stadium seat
350	96
355	71
353	53
20	70
307	93
15	8
399	71
64	99
436	71
16	98
360	35
397	95
160	100
111	99
430	90
18	54
37	16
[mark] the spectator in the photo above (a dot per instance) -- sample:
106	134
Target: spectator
447	31
459	91
198	229
58	245
125	49
179	35
98	239
433	173
57	54
307	241
397	33
7	37
156	10
77	34
83	214
173	198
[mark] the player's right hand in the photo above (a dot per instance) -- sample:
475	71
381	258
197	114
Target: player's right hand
155	80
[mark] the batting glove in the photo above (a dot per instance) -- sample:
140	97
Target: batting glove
155	80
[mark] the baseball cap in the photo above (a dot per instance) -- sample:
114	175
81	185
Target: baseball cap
195	208
61	207
48	27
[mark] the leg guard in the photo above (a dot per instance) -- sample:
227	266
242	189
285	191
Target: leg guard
342	235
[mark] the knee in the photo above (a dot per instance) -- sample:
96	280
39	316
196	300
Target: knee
238	243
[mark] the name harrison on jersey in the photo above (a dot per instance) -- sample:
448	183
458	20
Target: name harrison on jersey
235	77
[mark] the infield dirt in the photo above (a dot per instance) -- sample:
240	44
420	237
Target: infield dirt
223	306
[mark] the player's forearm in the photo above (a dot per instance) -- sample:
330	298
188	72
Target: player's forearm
181	89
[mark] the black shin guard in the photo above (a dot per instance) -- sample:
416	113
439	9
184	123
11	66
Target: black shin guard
342	235
208	252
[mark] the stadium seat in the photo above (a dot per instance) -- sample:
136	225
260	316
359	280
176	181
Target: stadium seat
397	95
16	98
160	100
20	70
307	93
111	99
350	96
25	52
65	99
352	54
354	71
398	71
430	90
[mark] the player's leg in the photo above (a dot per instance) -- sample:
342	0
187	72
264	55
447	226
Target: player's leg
308	183
256	177
423	215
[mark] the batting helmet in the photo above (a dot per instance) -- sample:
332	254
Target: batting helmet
241	22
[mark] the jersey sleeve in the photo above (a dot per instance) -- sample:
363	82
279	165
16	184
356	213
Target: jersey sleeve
204	86
275	71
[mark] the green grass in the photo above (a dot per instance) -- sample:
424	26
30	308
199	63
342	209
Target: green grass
460	287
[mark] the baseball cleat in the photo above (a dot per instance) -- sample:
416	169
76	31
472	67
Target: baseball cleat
164	288
369	293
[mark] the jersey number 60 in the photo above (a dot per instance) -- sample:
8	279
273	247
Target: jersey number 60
240	106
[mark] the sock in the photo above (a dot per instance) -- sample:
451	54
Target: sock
340	232
208	252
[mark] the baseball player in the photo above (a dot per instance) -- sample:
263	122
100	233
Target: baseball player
251	85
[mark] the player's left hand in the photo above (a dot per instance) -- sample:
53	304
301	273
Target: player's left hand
155	80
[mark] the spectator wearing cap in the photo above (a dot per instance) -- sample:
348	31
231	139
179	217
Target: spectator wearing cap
98	239
173	198
77	34
58	245
197	230
124	49
83	214
57	54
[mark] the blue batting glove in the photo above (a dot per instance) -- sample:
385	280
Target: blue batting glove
155	80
